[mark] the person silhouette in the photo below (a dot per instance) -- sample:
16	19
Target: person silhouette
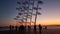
16	28
34	27
35	32
45	27
21	28
29	28
10	28
40	29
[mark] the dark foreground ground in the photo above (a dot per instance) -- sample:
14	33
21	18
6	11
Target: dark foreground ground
48	31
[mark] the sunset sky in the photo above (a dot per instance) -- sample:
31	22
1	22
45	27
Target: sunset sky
50	12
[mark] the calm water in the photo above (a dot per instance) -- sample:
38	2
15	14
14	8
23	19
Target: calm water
48	27
3	29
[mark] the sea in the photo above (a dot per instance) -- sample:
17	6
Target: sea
48	27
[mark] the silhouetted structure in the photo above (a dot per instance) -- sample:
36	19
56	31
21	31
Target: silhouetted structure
40	29
28	8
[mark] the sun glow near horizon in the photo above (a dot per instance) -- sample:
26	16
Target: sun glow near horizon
14	23
42	23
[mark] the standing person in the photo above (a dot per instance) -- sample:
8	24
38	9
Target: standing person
35	32
10	28
40	29
34	27
21	28
29	28
45	27
16	28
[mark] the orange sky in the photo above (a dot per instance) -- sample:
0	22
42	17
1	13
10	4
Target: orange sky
14	23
